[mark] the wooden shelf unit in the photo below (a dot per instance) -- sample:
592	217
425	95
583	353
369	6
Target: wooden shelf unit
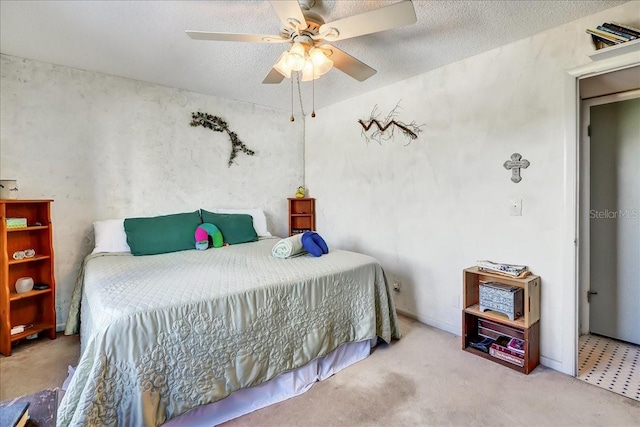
37	307
526	327
302	215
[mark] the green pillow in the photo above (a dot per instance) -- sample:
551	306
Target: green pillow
162	234
235	228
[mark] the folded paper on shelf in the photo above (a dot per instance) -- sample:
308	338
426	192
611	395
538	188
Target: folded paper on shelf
510	270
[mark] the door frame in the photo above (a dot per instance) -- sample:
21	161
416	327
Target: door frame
570	247
584	171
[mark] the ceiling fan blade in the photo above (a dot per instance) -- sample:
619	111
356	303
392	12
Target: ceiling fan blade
274	77
348	64
289	13
233	37
385	18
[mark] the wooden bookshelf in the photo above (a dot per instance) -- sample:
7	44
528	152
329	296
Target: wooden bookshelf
525	327
36	307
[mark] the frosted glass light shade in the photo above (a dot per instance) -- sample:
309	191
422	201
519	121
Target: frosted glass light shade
321	63
313	64
295	59
282	67
317	64
307	72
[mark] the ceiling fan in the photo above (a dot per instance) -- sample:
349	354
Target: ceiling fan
307	32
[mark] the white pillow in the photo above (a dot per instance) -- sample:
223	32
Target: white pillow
259	219
110	236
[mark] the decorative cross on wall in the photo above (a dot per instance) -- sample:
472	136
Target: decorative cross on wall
515	164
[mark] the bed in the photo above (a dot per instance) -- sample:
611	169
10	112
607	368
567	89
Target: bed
163	334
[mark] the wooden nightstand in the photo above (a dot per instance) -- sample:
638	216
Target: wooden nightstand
302	216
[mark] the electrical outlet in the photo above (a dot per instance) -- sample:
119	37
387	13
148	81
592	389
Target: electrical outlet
396	285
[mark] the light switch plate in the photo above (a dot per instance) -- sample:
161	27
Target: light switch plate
515	207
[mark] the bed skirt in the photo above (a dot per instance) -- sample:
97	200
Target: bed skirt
278	389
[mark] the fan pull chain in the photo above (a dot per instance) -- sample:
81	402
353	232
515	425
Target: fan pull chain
298	74
291	119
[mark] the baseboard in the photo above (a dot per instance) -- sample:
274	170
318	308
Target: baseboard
455	330
550	363
60	327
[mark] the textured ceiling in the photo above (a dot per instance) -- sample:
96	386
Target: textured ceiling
145	40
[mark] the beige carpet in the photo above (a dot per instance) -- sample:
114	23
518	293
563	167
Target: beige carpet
423	379
37	364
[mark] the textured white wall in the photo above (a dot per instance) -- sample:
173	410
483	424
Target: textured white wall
107	147
431	208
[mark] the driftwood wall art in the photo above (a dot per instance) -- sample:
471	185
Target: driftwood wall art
385	129
217	124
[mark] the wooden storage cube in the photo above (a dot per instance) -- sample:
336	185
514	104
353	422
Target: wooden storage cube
476	322
531	285
531	337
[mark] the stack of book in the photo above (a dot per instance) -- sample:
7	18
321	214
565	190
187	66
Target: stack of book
612	33
299	230
508	349
500	341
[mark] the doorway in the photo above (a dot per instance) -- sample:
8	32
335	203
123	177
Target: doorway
614	220
609	232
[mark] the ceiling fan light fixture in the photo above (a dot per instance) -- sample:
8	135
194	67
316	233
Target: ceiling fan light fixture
321	63
281	65
305	29
297	49
317	65
294	62
295	58
307	72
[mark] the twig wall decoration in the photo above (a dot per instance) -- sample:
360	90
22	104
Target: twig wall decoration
217	124
386	131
